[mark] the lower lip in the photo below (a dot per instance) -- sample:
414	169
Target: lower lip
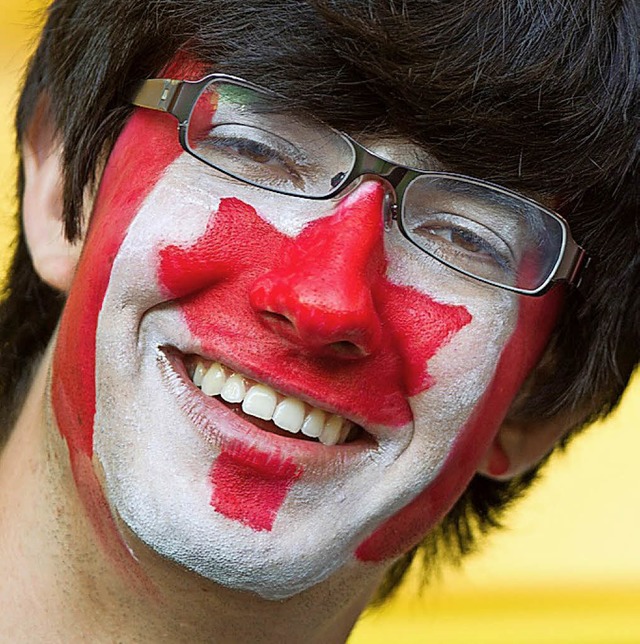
226	430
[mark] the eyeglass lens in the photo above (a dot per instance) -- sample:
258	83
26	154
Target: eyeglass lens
240	131
481	231
472	227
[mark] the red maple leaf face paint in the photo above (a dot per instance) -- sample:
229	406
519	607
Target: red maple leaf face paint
250	486
311	299
341	324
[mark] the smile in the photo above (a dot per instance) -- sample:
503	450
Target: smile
269	409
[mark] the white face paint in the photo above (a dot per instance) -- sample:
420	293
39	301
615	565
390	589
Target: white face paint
158	438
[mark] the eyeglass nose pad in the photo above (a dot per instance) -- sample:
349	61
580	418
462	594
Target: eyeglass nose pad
389	210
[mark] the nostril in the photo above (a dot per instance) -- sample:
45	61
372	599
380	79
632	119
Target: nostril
278	318
346	349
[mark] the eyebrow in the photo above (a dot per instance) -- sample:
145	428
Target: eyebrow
426	161
402	152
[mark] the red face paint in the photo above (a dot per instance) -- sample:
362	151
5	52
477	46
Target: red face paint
313	315
537	317
126	181
122	190
249	486
328	287
131	173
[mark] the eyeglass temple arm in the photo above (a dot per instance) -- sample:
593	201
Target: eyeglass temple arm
175	97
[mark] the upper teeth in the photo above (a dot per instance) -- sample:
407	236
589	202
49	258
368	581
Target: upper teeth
263	402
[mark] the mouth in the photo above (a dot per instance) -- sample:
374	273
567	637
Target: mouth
268	409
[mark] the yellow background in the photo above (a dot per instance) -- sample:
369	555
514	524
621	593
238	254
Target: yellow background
567	570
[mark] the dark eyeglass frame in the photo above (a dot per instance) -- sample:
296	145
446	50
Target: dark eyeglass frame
178	98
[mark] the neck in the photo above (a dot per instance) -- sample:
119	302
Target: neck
58	582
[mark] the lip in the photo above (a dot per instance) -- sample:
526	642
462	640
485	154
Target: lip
224	429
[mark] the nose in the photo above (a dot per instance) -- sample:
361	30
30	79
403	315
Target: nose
322	295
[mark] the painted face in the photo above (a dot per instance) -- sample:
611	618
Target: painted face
311	306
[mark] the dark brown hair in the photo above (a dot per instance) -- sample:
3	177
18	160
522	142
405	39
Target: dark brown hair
537	95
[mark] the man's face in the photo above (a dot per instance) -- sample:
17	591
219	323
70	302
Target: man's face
338	318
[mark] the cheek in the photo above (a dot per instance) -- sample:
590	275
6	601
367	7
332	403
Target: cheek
146	147
536	319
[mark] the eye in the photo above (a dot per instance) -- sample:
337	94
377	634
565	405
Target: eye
461	238
462	242
252	153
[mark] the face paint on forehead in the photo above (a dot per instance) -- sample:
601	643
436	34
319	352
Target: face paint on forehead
537	317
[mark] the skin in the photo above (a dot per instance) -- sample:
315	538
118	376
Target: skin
179	257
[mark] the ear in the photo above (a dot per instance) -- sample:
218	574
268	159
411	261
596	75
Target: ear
53	256
518	447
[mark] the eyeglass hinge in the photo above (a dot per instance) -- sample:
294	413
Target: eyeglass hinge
578	268
158	94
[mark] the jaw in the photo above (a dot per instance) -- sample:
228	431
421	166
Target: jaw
179	482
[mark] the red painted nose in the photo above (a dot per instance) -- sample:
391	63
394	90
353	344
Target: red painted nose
321	296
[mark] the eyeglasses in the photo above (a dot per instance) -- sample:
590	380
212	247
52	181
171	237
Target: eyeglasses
477	228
